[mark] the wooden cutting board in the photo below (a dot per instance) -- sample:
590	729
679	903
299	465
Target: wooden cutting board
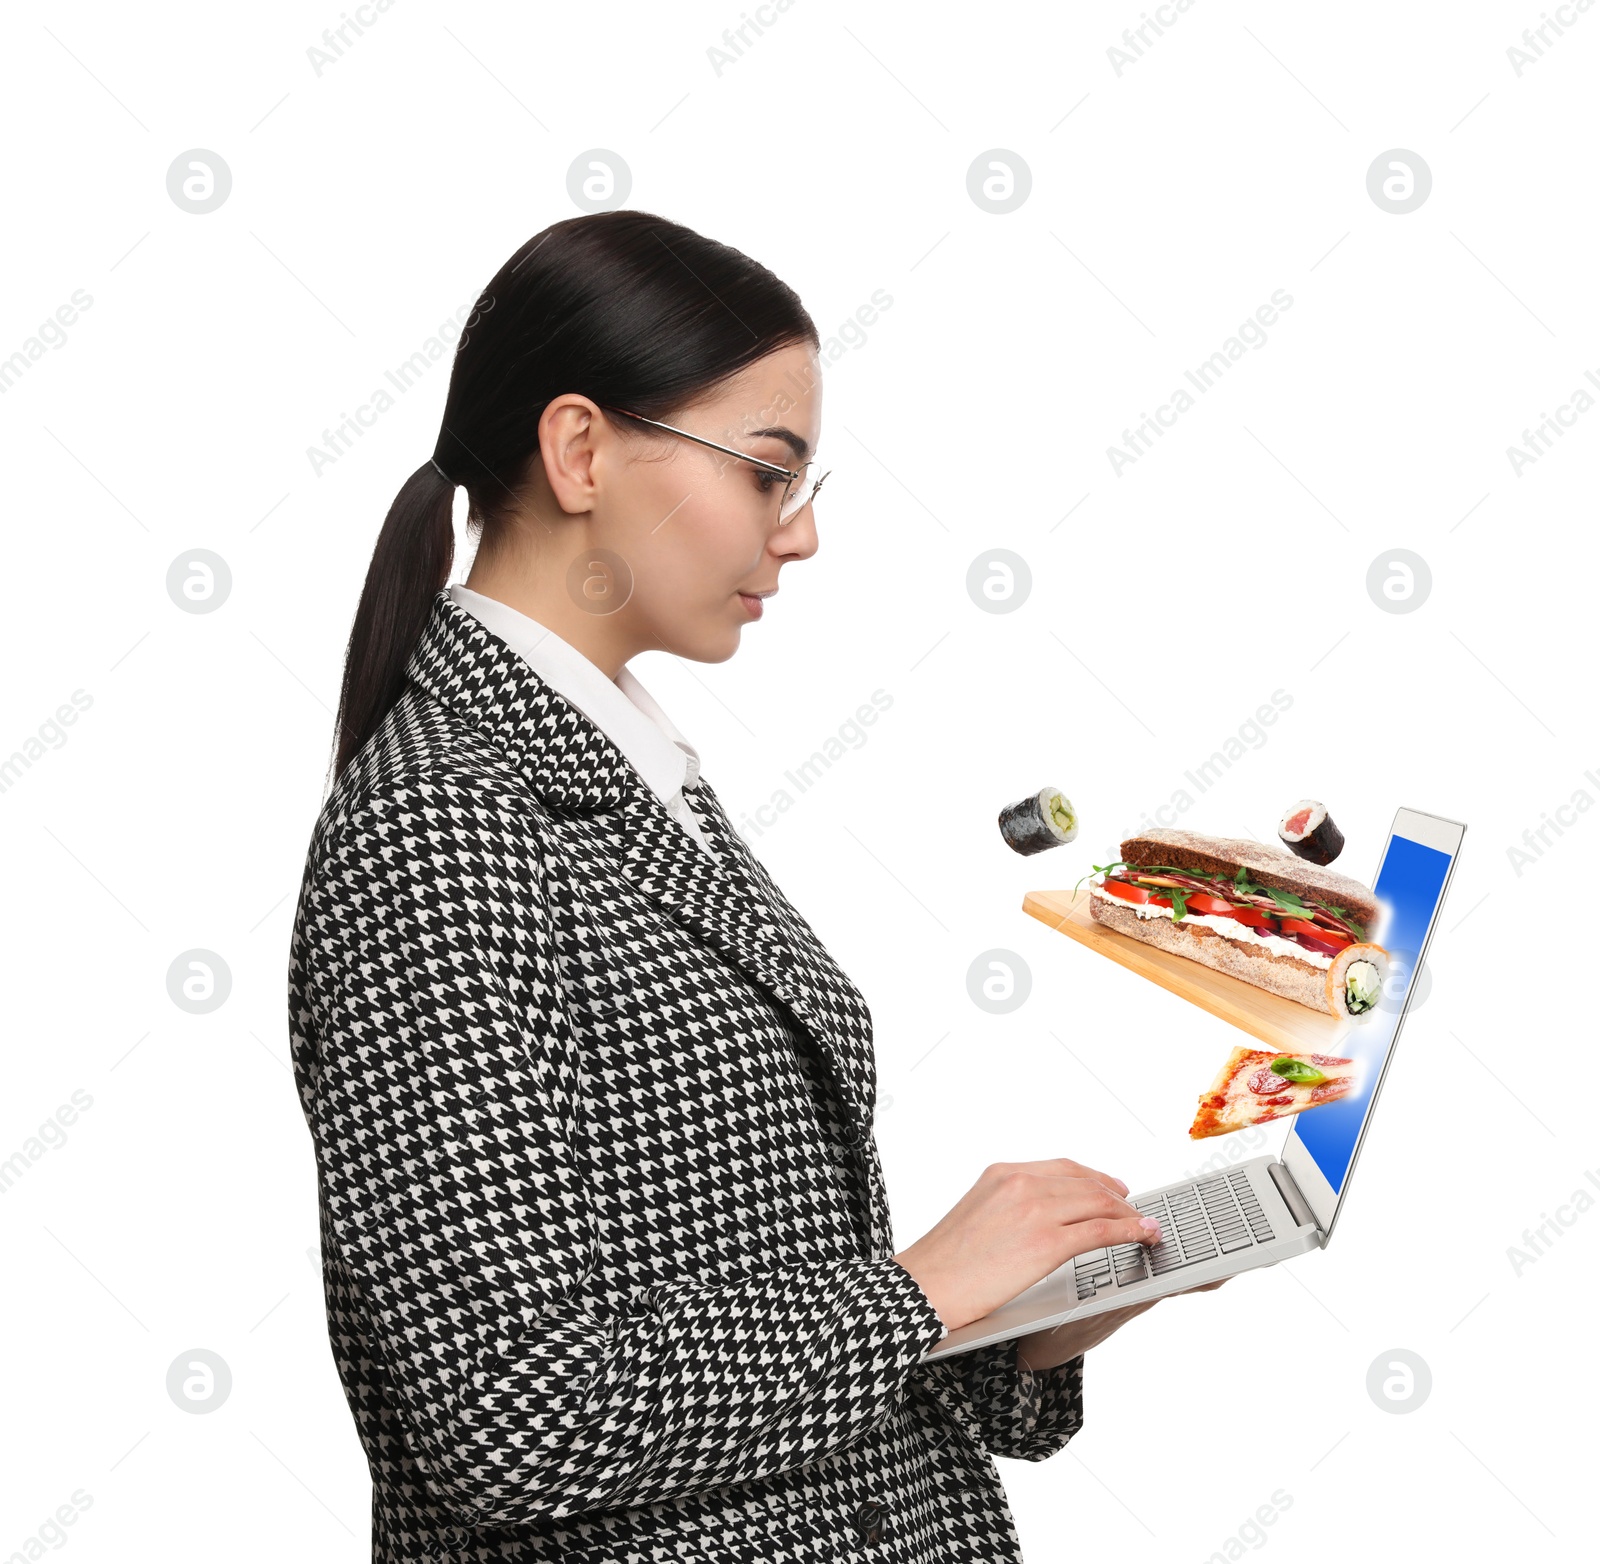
1275	1021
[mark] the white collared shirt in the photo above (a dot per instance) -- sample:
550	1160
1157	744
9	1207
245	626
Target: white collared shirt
621	708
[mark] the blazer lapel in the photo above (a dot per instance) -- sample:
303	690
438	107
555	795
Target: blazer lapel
726	902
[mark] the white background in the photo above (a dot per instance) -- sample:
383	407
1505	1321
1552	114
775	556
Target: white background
1166	604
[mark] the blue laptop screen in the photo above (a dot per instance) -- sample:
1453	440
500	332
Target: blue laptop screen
1407	891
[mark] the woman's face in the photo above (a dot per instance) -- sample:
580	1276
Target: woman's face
678	538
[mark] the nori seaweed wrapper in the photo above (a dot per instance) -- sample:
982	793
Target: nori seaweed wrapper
1026	827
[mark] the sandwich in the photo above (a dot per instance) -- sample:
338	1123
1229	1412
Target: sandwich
1294	928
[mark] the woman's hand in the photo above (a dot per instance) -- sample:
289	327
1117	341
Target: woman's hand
1046	1348
1017	1224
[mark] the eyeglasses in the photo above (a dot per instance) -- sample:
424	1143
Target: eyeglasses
800	484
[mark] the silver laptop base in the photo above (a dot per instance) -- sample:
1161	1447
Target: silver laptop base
1211	1227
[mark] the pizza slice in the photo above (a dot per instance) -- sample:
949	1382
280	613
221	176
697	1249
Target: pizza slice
1256	1084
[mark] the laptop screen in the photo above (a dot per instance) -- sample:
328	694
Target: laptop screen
1407	890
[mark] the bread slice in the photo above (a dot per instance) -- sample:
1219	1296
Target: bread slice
1300	981
1226	855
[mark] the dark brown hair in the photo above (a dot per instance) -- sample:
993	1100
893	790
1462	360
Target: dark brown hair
623	307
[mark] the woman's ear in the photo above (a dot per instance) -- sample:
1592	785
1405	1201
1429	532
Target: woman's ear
577	448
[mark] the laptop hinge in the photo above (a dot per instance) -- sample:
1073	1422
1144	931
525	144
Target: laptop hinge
1292	1197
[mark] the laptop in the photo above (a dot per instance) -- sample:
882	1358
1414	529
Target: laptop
1269	1208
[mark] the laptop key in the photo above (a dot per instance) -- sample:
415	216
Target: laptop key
1202	1221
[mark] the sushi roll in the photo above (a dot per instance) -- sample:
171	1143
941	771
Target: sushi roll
1356	981
1307	832
1045	819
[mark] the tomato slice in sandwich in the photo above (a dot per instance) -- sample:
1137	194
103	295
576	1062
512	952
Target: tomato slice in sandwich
1315	937
1212	906
1125	892
1326	942
1252	918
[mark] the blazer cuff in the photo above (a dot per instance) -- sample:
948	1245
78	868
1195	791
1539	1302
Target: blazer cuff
890	1288
1024	1413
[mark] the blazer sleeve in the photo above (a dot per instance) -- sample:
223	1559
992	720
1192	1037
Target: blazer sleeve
442	1101
1027	1414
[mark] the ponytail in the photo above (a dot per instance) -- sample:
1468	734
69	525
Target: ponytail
611	305
410	564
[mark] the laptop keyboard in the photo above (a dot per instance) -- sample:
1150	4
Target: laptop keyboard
1199	1221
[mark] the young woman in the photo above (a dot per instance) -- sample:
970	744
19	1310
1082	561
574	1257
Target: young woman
608	1263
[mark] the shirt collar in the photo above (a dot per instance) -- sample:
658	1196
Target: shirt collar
642	698
621	708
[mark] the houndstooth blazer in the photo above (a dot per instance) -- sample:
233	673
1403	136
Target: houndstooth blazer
606	1253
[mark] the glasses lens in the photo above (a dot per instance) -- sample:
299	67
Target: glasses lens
799	492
